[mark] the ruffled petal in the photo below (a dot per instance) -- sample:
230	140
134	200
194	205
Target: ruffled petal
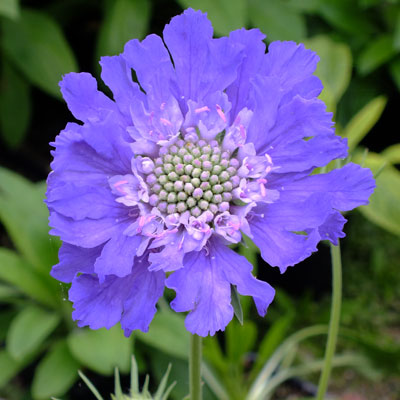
237	271
152	64
79	202
348	187
254	53
332	228
117	256
74	260
301	118
87	232
202	289
281	248
289	62
302	155
77	162
117	75
84	100
131	299
204	65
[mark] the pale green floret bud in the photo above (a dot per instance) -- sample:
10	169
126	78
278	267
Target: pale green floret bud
217	169
208	195
205	175
191	202
188	169
163	179
189	188
196	212
168	168
158	171
173	176
169	186
217	198
215	158
182	151
226	196
196	172
168	158
195	182
181	207
227	186
182	196
171	197
217	189
185	178
223	176
178	186
203	204
163	195
196	152
177	160
224	163
213	179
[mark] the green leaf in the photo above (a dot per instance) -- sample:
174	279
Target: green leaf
126	20
225	15
9	8
240	340
15	271
363	121
396	35
237	307
15	106
7	291
394	68
344	15
392	154
378	51
37	46
28	331
56	372
8	367
272	339
384	206
334	68
167	333
24	215
277	20
101	350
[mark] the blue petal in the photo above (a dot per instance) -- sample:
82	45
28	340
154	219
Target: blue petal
204	65
87	232
152	64
74	260
84	100
79	202
117	256
290	63
332	228
348	187
117	75
254	52
202	289
131	299
237	271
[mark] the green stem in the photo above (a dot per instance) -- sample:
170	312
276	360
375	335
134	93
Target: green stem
334	321
195	368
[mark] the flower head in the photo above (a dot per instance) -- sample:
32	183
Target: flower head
216	140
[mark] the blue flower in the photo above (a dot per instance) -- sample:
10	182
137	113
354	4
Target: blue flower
216	140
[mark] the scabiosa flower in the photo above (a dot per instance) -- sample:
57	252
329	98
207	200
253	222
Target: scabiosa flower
216	140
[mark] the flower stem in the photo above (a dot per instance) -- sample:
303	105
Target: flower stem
195	368
334	320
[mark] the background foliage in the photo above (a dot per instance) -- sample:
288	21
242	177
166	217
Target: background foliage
41	349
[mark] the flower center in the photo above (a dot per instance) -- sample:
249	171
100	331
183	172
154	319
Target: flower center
192	175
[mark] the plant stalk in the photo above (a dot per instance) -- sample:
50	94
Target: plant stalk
334	321
195	388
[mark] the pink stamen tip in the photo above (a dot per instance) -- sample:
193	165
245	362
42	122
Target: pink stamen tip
268	157
162	106
220	112
242	131
165	122
201	109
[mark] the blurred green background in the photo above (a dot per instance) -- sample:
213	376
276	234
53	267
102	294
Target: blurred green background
41	349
